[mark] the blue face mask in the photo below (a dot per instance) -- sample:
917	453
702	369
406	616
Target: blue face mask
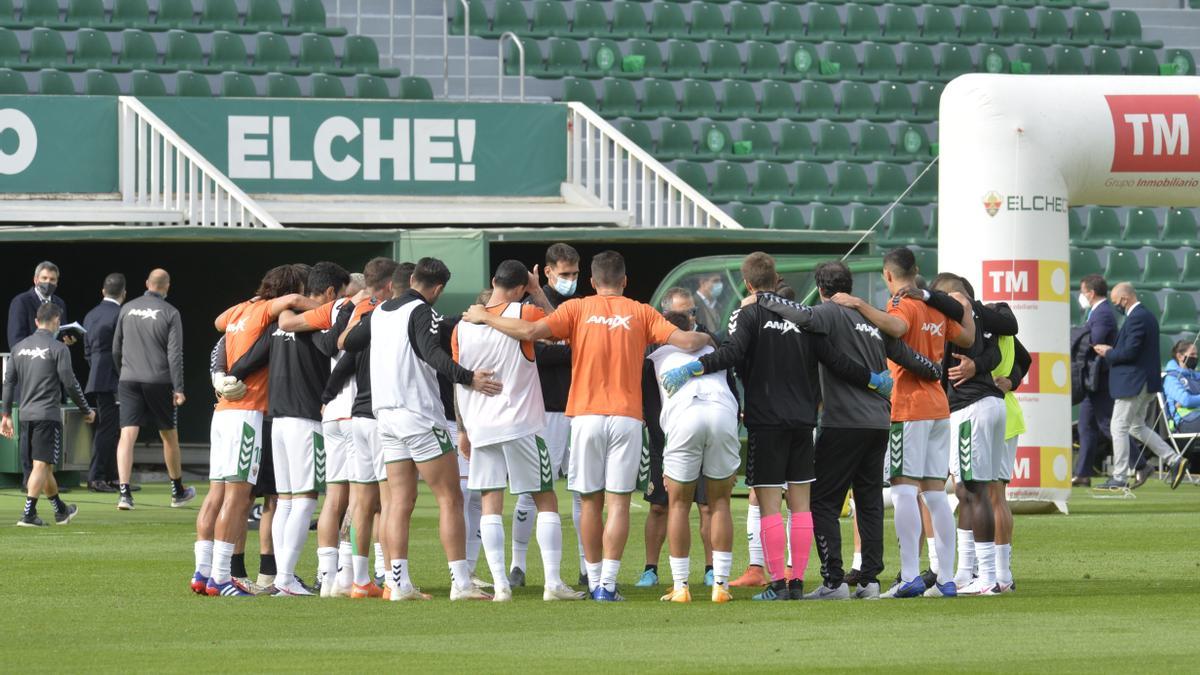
717	289
565	287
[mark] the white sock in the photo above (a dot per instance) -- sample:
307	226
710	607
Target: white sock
787	518
986	551
362	573
399	577
856	561
345	564
523	520
576	514
593	575
754	535
204	557
608	574
460	576
326	564
279	535
222	557
549	539
380	565
491	531
907	515
297	530
943	531
1004	563
679	571
722	566
966	555
931	547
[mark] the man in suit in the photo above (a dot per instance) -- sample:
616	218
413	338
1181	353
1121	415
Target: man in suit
102	382
1095	412
1134	377
708	294
23	309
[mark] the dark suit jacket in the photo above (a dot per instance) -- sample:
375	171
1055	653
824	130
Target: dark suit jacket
22	313
1102	324
1134	361
97	346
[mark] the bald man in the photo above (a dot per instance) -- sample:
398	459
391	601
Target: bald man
148	354
1134	377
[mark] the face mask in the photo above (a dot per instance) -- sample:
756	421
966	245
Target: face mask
1120	309
717	288
1189	362
46	288
1083	302
565	287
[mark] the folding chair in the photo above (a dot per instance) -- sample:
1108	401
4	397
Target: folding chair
1175	437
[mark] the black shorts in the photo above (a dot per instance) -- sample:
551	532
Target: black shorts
265	487
147	404
656	491
41	440
778	456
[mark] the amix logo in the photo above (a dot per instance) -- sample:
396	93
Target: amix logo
1041	467
994	202
34	353
1049	373
287	336
1152	133
934	329
238	326
611	321
151	314
783	327
869	329
1025	280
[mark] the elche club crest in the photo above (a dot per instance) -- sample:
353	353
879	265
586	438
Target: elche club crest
992	203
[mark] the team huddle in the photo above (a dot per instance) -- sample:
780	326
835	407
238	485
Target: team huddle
366	388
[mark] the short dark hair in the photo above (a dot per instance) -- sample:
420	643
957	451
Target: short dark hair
561	252
48	312
280	281
114	285
833	277
968	287
672	293
431	272
325	275
378	272
402	277
511	274
1096	284
948	282
1180	347
45	265
679	320
758	269
608	269
901	262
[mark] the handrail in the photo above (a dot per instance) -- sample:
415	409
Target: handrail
466	8
521	67
608	166
160	169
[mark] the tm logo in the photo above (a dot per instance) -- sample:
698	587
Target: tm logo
1152	133
1024	280
611	321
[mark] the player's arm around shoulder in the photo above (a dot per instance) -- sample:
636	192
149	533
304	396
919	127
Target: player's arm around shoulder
895	321
962	335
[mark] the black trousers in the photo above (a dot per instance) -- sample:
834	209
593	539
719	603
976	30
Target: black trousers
104	443
848	458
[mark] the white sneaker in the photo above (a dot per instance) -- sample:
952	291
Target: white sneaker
1002	587
503	594
891	592
824	592
867	591
294	589
561	592
407	593
963	580
337	590
479	583
265	580
468	593
978	587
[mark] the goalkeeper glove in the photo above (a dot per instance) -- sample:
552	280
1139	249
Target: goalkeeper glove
881	383
675	378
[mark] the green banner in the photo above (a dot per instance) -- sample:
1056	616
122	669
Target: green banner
58	144
377	147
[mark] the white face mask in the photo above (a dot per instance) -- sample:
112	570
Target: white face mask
1084	303
716	290
565	287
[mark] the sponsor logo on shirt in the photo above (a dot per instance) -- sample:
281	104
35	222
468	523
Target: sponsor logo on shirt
611	321
34	352
869	329
287	336
934	329
783	327
151	314
238	326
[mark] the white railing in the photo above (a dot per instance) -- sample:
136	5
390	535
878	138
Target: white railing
516	40
466	10
159	169
605	164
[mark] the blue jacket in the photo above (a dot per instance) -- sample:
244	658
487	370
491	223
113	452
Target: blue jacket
1134	360
1181	387
1102	327
97	346
23	310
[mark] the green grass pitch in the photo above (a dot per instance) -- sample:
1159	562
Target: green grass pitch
1112	587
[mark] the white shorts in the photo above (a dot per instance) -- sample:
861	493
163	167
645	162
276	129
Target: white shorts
978	440
235	446
557	435
705	435
400	444
607	454
919	450
298	452
339	443
365	463
1009	459
525	461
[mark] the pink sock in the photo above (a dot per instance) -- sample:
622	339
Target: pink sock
774	543
802	535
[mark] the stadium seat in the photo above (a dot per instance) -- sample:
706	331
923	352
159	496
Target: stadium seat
699	100
1083	261
954	60
1182	60
802	62
729	183
879	63
874	144
550	18
771	183
1074	226
1141	229
862	24
282	85
10	49
535	63
93	50
183	51
683	60
1068	61
659	100
477	13
924	189
843	57
509	16
1034	59
222	14
47	49
617	100
55	82
271	52
1050	27
795	142
1179	229
746	22
737	101
823	23
895	103
86	13
308	16
900	25
707	23
917	63
12	82
938	25
604	60
785	22
1087	28
238	85
816	102
777	102
629	20
812	183
146	83
191	84
415	89
857	102
563	57
693	174
754	141
1122	266
976	26
1189	279
927	262
326	86
138	50
863	217
762	61
639	133
316	55
827	218
100	83
1013	27
675	141
360	54
177	14
666	21
1142	61
265	15
582	91
229	54
1179	313
1161	271
1103	228
1126	29
648	49
928	98
787	217
850	184
749	217
993	59
724	61
1150	301
131	14
906	226
42	13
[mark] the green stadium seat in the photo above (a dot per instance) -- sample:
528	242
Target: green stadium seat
693	174
1051	27
648	50
976	25
900	25
563	57
667	21
316	54
272	53
927	262
265	15
787	217
708	22
771	183
895	103
749	217
87	13
604	60
1087	28
42	13
724	61
828	218
1141	229
928	98
1179	229
857	102
1190	278
478	14
637	132
758	136
618	99
850	184
1161	271
938	25
802	62
1035	58
55	82
47	49
795	142
778	101
863	217
823	23
1182	59
1083	261
629	20
698	100
282	85
833	143
785	22
100	83
8	15
683	60
675	141
188	83
1122	266
879	63
509	16
228	54
955	60
1179	313
993	59
535	63
924	189
1075	226
93	50
659	100
10	49
221	14
912	144
550	18
178	14
1013	27
812	183
890	182
816	102
729	183
1068	61
1142	61
326	86
1126	29
237	85
308	16
874	144
862	24
138	50
183	51
844	57
916	63
582	91
905	226
146	83
415	89
746	22
1150	302
738	101
762	61
1105	61
131	14
12	82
